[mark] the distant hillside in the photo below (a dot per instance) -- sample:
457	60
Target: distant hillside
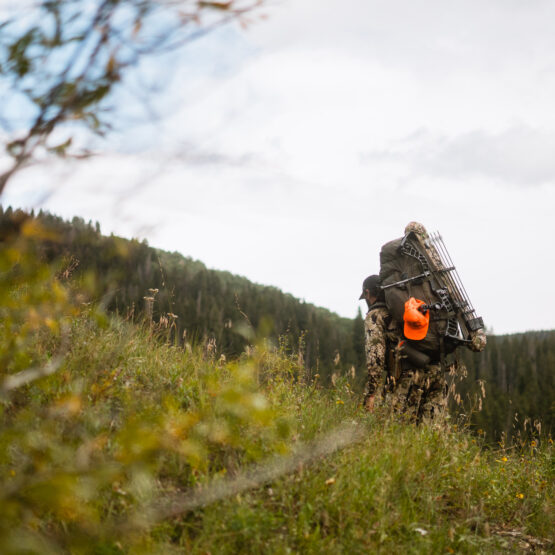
519	374
209	304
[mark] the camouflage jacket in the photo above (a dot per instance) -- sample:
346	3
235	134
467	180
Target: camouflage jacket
381	337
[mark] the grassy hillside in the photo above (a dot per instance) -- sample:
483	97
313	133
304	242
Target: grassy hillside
135	445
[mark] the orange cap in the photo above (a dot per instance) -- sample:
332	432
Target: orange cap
416	323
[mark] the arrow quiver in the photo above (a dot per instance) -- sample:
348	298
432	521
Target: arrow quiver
419	265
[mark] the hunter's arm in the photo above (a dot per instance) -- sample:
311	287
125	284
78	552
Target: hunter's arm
375	342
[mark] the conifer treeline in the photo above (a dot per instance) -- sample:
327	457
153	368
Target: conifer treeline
518	370
519	375
209	304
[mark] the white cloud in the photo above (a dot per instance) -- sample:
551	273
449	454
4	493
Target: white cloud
519	155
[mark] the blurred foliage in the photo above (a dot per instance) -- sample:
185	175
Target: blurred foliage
125	418
124	421
32	300
62	59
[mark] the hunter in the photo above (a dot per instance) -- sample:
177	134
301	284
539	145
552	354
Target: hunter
381	337
418	393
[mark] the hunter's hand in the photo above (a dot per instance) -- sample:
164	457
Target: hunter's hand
369	403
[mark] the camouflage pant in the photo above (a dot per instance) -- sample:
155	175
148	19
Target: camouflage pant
421	394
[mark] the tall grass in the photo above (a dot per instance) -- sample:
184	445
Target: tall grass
113	440
107	455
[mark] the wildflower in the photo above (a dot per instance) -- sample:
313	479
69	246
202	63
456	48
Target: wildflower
339	402
533	443
501	460
550	441
520	496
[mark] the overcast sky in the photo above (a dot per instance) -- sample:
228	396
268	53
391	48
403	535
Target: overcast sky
290	152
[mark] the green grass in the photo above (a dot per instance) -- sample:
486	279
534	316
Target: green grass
401	490
91	456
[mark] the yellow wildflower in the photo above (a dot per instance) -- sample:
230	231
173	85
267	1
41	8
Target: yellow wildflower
339	402
520	496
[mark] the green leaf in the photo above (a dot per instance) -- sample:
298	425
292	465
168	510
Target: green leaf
21	63
61	149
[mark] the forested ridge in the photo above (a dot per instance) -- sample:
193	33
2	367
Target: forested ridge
203	305
518	371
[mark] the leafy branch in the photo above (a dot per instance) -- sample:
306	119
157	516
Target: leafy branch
68	59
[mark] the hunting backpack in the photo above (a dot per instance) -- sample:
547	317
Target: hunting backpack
419	266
